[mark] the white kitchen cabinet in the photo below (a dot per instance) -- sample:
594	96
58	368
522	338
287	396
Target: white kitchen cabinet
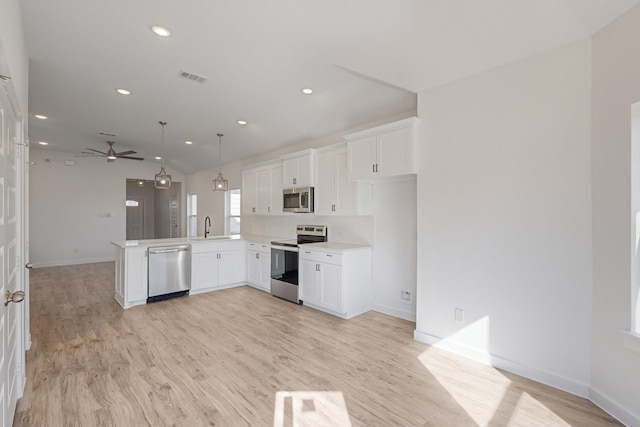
382	153
336	281
249	192
262	189
131	276
335	193
217	265
259	265
297	169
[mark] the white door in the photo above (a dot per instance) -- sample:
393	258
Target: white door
135	219
11	316
394	153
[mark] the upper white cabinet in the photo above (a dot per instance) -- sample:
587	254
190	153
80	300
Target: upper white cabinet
297	169
385	152
335	193
262	189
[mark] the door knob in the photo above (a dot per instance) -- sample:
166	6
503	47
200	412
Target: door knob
16	296
29	265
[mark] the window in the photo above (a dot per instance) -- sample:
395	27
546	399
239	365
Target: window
192	215
233	211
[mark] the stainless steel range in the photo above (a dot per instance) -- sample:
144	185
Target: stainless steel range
284	260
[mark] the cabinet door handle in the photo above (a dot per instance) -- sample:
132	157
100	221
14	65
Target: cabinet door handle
373	168
257	256
294	180
269	209
253	209
317	267
377	168
329	255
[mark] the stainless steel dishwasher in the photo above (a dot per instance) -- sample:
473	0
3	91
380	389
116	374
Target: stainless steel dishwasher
169	272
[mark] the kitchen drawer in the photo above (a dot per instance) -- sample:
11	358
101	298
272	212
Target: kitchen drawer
321	256
259	247
216	246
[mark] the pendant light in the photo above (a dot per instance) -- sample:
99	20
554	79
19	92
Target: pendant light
220	184
162	181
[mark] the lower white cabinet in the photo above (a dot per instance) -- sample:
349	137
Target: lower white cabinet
259	265
336	281
131	276
217	265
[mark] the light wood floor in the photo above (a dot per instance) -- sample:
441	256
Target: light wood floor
220	358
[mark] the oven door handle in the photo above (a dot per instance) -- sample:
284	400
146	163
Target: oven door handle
285	248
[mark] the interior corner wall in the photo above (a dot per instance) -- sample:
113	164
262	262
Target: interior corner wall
76	211
504	217
615	378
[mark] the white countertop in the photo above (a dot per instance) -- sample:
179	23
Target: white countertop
193	240
333	246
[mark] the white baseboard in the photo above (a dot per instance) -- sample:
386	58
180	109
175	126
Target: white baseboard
622	414
402	314
70	262
542	376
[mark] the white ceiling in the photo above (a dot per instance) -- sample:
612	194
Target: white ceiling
366	60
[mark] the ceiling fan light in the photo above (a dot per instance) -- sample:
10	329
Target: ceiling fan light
111	157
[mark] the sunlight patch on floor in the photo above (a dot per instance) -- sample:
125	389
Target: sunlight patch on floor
529	411
485	394
310	408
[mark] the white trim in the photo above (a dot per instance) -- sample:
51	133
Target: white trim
540	375
631	340
409	122
622	414
401	314
71	262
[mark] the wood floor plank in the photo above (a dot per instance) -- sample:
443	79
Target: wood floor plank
219	359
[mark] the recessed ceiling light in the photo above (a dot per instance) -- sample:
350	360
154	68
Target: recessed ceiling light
161	31
307	90
41	117
123	91
158	158
242	122
188	142
43	143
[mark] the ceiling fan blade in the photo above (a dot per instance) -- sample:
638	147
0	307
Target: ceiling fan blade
130	158
125	153
101	152
88	155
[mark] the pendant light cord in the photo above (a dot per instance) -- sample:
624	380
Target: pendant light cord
220	151
163	151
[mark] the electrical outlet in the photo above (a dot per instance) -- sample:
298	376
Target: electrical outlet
458	315
405	295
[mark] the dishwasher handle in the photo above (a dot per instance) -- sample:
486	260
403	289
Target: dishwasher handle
169	250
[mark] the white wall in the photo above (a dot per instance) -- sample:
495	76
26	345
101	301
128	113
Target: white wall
14	61
69	204
391	230
615	377
504	217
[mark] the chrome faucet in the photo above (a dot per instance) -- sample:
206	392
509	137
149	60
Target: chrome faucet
207	220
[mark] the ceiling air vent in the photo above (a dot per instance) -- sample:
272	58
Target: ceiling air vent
192	77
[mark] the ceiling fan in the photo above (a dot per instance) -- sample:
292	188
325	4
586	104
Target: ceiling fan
110	154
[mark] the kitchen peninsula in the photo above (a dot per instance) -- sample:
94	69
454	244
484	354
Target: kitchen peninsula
336	276
217	262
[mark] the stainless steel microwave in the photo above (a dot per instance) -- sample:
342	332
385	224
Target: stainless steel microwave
297	199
